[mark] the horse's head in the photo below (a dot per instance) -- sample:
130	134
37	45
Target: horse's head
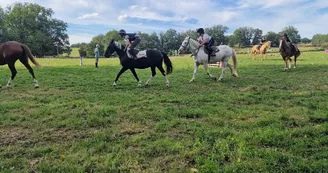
268	44
184	44
112	47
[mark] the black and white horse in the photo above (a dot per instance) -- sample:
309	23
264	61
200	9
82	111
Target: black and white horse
151	58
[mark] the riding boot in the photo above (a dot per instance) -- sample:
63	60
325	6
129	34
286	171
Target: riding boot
213	53
209	58
96	65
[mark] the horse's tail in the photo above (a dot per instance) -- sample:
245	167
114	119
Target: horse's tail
29	54
168	63
235	62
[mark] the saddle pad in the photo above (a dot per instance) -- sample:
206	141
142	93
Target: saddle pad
140	54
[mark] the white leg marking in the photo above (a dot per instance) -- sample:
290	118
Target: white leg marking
149	80
9	84
36	83
167	81
195	71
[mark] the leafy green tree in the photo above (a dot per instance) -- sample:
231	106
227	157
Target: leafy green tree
273	37
33	25
244	35
319	39
305	40
217	33
292	33
257	34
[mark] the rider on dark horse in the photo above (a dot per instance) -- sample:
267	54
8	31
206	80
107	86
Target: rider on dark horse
131	40
262	40
288	40
207	41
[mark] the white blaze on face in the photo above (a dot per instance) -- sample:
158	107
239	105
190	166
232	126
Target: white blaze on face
280	44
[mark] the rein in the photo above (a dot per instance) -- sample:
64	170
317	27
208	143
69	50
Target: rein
190	47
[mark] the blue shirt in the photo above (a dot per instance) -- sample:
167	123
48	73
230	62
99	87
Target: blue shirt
97	53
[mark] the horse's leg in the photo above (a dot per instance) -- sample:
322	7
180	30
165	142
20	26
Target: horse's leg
208	71
13	74
195	71
153	74
230	67
118	75
290	63
29	68
167	82
136	76
295	58
225	64
286	63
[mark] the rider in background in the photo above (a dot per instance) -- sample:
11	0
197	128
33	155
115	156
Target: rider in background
206	40
131	40
262	40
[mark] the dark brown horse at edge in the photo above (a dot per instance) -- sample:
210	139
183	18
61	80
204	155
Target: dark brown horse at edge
12	51
287	50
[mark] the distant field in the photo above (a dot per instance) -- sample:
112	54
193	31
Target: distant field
267	120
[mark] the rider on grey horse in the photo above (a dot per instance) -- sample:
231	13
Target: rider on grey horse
207	41
131	40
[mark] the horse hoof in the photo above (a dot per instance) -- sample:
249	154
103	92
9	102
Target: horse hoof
147	85
0	86
191	81
214	78
36	86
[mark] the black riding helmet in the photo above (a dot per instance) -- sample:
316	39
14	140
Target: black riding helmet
122	32
200	31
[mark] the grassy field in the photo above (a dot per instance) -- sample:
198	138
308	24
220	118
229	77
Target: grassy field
267	120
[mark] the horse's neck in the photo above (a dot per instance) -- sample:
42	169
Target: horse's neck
194	47
121	54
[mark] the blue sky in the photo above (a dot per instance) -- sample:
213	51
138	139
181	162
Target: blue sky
88	18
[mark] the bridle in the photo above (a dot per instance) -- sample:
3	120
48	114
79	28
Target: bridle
188	43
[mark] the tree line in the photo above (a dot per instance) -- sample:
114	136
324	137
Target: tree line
171	39
34	26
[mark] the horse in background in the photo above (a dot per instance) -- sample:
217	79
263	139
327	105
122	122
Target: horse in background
287	50
146	59
12	51
223	53
262	50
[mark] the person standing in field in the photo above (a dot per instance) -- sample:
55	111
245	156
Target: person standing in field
97	54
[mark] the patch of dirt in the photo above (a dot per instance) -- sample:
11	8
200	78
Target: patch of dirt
24	136
249	88
128	128
65	135
13	135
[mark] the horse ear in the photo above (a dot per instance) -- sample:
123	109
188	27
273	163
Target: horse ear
112	41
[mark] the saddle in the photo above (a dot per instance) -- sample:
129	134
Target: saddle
214	48
139	54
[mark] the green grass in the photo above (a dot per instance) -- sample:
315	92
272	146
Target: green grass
267	120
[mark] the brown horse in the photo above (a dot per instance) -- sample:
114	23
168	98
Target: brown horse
287	50
12	51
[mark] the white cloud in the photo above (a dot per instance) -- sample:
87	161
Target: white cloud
87	16
122	18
